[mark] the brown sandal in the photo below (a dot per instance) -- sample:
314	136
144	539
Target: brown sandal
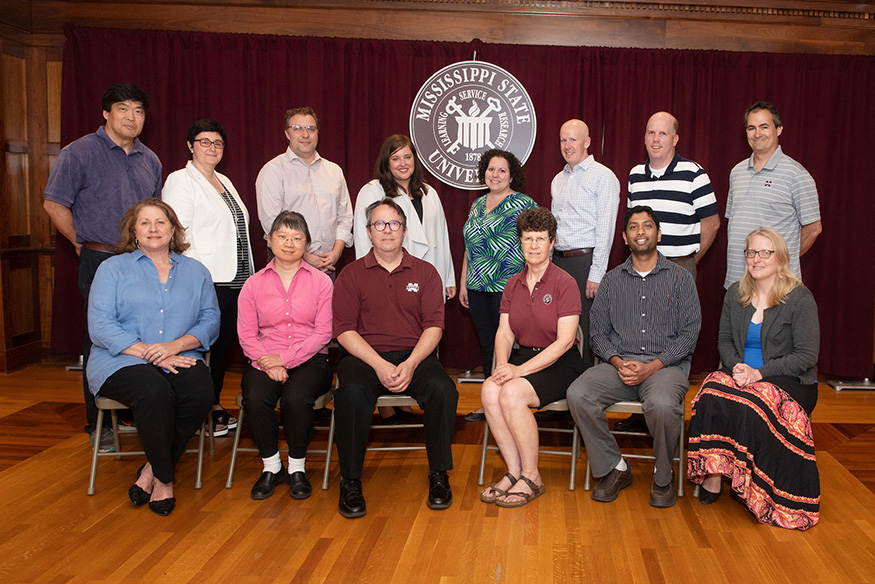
537	491
495	492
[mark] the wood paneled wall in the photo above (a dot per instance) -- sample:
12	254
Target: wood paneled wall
31	38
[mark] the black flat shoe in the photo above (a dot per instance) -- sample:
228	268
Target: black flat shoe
352	501
706	497
439	494
136	494
164	507
300	485
267	482
475	417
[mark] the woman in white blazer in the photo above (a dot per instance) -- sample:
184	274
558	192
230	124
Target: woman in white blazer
217	226
398	175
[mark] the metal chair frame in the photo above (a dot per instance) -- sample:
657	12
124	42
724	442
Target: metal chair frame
103	404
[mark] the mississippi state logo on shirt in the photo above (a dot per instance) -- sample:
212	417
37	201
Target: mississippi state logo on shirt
413	287
465	109
548	299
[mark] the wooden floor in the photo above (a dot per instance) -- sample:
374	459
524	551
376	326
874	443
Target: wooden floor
51	531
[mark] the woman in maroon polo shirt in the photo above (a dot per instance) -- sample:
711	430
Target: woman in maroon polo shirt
540	310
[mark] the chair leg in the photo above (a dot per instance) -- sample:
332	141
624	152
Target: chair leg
575	452
116	442
483	452
212	436
230	480
328	452
586	480
94	454
200	455
681	469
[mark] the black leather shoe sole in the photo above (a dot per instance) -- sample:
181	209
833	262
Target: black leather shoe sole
300	485
266	483
164	507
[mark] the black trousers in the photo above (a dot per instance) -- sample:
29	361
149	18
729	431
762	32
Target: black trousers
227	340
297	395
89	261
579	267
356	398
168	409
484	308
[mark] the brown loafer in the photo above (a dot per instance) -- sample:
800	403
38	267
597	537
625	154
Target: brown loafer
663	496
610	485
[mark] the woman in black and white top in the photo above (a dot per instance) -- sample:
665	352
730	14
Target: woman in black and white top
217	226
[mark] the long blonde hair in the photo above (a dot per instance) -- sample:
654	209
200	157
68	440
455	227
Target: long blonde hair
785	280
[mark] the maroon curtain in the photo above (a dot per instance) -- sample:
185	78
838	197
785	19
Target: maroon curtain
362	91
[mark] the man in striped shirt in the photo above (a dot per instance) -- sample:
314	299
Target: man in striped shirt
769	189
679	190
644	325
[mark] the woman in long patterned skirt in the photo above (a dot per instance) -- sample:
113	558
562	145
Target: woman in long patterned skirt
751	420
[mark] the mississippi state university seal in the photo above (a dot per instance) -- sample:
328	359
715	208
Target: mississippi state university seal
464	110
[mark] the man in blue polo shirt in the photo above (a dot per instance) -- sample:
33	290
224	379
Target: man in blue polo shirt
94	181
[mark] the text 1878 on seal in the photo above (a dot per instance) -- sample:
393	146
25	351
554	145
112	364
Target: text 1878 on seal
464	110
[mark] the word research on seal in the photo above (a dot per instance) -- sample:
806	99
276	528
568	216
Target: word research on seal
464	110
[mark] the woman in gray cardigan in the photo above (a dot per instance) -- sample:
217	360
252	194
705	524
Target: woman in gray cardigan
750	420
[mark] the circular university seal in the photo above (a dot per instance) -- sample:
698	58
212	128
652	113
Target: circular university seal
464	110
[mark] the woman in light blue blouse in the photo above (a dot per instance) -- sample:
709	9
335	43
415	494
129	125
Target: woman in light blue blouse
152	312
492	248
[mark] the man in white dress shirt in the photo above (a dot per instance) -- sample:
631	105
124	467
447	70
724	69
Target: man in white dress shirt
301	180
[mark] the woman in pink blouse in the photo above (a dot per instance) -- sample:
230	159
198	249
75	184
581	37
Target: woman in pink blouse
284	325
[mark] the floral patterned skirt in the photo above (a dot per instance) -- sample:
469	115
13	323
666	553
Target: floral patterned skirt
760	438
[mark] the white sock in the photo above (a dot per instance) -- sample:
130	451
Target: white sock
272	464
296	465
622	466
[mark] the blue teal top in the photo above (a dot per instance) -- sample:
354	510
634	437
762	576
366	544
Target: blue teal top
128	303
753	346
491	243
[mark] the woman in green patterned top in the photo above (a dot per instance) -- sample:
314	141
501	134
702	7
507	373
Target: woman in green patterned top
492	248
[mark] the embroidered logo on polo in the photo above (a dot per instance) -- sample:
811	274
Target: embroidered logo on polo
412	287
465	109
768	183
548	299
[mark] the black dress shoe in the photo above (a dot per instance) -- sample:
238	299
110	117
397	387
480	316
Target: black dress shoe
164	507
300	488
439	494
609	486
706	497
267	482
136	494
352	502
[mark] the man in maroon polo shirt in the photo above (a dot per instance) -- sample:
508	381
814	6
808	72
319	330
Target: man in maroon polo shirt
388	319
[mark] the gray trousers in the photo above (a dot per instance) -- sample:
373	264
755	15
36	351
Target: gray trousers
662	394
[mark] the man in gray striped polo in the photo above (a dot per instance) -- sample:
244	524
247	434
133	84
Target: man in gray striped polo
769	189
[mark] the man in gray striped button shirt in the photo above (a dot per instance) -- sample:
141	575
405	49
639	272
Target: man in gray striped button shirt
644	325
769	189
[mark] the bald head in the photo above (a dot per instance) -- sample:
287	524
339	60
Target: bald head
574	142
660	139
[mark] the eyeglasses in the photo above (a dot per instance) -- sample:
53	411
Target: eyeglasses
531	240
206	142
297	240
297	128
763	253
381	225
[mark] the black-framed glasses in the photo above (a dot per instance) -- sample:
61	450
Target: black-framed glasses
381	225
299	128
763	253
206	143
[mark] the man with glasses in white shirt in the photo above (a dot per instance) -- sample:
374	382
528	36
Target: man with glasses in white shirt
301	180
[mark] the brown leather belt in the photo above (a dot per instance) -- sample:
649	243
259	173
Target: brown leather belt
97	246
573	253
